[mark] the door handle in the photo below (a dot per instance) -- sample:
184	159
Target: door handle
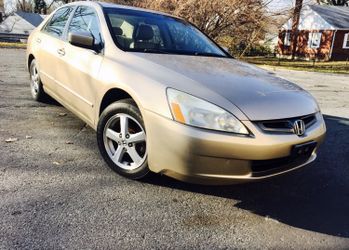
61	52
38	40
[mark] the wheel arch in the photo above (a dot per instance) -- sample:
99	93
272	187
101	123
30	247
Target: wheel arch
114	95
30	59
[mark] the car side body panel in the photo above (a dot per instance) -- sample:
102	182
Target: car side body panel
78	79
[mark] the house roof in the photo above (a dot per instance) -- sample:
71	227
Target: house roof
21	22
336	16
321	17
32	18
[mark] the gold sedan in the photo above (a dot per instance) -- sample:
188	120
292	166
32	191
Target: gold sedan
164	97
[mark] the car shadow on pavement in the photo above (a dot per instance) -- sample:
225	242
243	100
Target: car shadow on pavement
49	100
314	198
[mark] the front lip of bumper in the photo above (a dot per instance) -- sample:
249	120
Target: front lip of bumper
262	176
208	157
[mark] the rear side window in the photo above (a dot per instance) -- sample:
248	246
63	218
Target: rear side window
58	21
85	20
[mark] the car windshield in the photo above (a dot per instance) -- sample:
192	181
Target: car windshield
140	31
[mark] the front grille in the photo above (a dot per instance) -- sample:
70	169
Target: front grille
285	125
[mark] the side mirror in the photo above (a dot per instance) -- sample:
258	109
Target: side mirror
82	39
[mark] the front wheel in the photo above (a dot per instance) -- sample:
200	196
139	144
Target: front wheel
36	88
121	139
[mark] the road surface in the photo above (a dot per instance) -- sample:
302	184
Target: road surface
57	192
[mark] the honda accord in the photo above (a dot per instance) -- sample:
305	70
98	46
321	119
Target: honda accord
165	98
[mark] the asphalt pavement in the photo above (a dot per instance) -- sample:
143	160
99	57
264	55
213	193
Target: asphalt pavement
57	192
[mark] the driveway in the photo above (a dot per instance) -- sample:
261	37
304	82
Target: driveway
57	192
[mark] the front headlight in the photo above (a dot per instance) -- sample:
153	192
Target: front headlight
193	111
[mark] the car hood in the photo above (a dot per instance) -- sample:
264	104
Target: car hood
256	92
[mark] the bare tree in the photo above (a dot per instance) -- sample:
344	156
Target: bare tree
1	10
214	17
25	5
295	23
40	6
37	6
51	3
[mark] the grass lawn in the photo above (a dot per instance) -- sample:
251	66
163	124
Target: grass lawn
328	67
13	45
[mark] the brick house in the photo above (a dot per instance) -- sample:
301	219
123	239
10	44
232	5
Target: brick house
323	34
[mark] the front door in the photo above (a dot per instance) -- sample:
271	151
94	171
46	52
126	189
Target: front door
79	67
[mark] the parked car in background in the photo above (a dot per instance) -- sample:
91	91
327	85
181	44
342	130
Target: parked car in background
164	97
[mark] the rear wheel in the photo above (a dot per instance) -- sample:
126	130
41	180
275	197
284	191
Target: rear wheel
36	88
122	139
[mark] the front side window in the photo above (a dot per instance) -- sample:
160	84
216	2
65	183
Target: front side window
85	20
314	40
58	21
141	31
346	41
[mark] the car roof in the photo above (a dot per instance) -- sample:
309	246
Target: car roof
119	6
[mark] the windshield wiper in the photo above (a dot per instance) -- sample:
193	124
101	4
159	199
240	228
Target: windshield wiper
154	51
208	54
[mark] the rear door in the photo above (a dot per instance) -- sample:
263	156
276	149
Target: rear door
79	66
50	41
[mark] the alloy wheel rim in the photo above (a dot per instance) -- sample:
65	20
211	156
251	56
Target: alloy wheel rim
125	141
34	80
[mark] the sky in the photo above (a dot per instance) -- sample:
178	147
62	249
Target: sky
277	5
280	4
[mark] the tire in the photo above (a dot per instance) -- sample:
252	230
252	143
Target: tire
123	147
36	87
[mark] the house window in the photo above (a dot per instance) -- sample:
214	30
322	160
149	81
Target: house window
346	41
287	39
314	40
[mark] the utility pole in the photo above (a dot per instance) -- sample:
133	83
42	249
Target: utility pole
295	23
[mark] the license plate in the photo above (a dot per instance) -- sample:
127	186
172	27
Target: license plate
304	150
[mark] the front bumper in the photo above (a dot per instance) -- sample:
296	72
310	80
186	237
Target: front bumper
210	157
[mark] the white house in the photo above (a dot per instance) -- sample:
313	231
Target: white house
21	22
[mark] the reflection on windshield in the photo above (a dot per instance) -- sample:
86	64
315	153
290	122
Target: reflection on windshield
141	31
